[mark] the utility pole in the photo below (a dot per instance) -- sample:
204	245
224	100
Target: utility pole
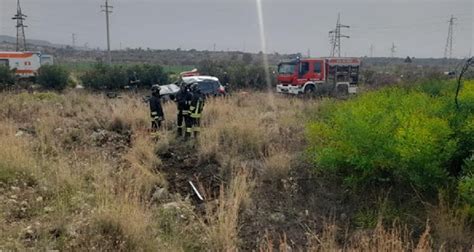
448	50
214	47
393	50
74	40
20	29
372	47
336	36
108	9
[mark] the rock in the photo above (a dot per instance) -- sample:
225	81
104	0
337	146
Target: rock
29	230
39	199
99	137
15	188
58	130
19	133
13	196
160	194
277	217
172	205
48	209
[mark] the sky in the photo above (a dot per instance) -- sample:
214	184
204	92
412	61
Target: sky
418	28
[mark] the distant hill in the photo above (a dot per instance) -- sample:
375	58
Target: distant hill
35	42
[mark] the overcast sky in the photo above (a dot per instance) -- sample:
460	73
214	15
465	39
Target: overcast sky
417	27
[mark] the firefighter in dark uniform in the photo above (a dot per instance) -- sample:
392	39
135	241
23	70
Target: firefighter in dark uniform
188	120
156	109
183	100
196	108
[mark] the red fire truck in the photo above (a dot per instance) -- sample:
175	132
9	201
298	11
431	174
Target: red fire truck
333	76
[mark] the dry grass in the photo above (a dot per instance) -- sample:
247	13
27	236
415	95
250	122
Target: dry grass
451	225
246	129
223	217
95	167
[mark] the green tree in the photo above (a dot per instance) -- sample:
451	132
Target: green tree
7	76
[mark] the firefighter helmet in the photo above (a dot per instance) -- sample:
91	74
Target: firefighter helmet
195	88
155	88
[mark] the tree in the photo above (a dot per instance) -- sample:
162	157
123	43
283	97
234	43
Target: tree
7	76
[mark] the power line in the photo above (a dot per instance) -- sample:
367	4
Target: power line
20	29
335	36
448	49
108	9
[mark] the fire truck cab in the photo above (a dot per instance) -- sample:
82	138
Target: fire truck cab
319	75
25	64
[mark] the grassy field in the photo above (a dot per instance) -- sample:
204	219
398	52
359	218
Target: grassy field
79	171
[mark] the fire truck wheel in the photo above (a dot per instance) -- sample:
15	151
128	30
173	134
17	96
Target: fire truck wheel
342	91
310	90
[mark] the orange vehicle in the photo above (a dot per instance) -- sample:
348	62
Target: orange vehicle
25	64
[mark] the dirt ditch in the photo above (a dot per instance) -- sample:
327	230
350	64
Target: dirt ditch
181	165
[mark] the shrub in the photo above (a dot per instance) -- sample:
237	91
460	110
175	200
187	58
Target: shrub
394	136
7	76
466	184
149	74
117	76
53	77
241	75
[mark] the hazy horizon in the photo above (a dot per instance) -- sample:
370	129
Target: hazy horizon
418	27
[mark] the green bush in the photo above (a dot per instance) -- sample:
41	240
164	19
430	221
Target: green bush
53	77
149	74
393	136
7	76
104	77
240	74
118	76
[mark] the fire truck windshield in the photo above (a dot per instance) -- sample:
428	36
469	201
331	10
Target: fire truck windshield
286	68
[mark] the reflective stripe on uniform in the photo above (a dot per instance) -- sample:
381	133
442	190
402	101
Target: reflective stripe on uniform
189	130
154	113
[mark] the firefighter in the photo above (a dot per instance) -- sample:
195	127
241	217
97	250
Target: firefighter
133	81
226	82
188	120
156	109
196	108
183	100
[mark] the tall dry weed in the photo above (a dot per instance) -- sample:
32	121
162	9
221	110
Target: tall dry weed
223	218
